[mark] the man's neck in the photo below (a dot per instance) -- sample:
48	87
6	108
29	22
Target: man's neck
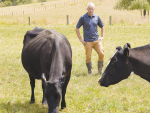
90	14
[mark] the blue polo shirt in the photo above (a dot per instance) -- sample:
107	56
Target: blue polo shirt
90	24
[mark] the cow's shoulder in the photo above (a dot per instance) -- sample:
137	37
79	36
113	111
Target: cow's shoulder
31	34
35	31
59	36
54	33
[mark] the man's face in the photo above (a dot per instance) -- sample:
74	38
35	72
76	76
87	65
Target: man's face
90	9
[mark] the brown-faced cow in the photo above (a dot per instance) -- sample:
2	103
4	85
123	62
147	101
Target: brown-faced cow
47	55
127	60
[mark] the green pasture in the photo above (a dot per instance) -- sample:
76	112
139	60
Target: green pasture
84	95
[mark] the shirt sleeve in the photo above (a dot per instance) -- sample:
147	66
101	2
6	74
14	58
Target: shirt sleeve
100	23
80	22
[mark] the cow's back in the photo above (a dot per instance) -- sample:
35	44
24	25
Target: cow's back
141	54
37	53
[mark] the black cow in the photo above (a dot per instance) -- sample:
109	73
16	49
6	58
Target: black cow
47	55
127	60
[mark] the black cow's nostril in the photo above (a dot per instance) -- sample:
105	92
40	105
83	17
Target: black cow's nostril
100	82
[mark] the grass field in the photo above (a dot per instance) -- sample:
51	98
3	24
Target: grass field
84	95
57	16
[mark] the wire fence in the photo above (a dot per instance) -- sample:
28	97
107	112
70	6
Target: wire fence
42	7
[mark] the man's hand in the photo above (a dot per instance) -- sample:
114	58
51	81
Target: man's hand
82	41
100	38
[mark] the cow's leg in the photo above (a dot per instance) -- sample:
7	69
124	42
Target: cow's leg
32	83
63	102
44	101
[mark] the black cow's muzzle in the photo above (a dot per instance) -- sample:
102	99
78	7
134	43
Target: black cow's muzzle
99	82
102	83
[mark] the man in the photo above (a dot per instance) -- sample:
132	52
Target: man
90	21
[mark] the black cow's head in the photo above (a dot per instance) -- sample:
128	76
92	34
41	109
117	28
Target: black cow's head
118	68
53	92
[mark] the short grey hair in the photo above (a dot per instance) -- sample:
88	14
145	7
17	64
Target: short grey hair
90	3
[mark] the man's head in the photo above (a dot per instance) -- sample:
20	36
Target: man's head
90	8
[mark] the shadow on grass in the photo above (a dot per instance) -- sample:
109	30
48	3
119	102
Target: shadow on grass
81	74
86	74
26	107
97	74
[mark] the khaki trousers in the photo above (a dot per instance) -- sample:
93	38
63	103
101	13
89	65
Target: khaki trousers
97	45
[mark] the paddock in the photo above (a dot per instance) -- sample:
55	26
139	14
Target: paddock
83	92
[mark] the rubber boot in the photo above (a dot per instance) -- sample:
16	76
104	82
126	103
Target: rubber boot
100	67
89	67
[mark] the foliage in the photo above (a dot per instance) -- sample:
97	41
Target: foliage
132	4
42	0
138	5
123	4
7	3
15	2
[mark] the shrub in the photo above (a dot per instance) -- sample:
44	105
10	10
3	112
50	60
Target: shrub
6	3
41	0
15	2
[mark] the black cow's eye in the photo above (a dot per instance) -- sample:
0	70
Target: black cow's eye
113	62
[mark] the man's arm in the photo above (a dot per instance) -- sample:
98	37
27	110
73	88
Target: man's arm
102	33
79	36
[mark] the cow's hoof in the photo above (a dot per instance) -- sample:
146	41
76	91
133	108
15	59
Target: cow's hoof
32	101
60	109
44	101
63	107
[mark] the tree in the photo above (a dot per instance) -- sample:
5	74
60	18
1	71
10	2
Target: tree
7	3
15	2
133	4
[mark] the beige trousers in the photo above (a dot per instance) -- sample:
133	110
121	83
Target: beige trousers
97	45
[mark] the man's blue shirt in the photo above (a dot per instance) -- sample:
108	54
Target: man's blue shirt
90	24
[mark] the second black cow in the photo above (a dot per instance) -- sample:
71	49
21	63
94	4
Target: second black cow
47	55
127	60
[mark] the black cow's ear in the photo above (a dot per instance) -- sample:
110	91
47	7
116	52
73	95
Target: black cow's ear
127	45
126	52
119	48
44	81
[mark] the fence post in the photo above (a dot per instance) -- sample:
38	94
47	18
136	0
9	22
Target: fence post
144	13
29	20
67	19
110	20
12	13
141	13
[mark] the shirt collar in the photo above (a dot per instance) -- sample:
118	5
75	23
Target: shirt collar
89	16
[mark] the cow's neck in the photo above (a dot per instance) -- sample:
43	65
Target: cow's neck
140	63
56	68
